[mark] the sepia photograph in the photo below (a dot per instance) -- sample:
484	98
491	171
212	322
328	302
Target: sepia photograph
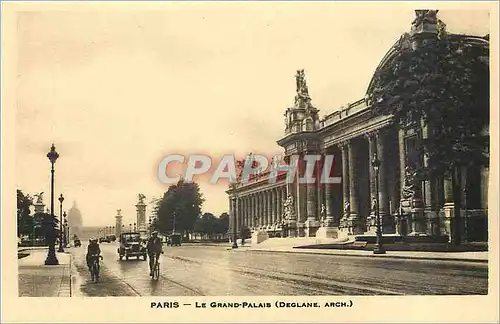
250	155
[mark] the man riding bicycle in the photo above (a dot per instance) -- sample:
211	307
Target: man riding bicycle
92	249
154	247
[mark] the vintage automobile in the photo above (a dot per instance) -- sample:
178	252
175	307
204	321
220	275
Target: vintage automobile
104	239
111	238
131	245
174	239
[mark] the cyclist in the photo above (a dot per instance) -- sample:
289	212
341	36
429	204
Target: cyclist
92	249
154	247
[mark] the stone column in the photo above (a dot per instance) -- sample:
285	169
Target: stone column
118	223
269	207
245	211
319	185
387	224
403	222
253	208
371	224
329	228
272	195
449	207
312	223
260	206
281	199
235	217
301	191
141	217
345	186
354	225
231	220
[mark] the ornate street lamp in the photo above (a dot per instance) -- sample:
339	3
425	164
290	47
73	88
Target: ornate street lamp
135	225
235	234
173	225
61	248
51	256
65	232
379	248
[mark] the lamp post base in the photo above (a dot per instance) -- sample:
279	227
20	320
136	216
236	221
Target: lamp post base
235	244
51	258
378	249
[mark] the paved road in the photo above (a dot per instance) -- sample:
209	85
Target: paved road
212	270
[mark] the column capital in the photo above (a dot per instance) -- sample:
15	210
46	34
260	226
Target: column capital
371	135
344	144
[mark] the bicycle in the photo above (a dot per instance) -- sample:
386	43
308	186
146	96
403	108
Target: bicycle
156	267
95	267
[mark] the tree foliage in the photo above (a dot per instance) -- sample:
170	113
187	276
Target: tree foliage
209	225
179	208
24	220
442	84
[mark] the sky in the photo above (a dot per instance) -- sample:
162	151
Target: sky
117	89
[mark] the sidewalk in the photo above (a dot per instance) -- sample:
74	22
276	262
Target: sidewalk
38	280
290	246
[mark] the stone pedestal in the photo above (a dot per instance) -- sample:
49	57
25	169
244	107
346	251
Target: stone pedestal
39	207
259	237
301	230
354	225
329	232
449	211
118	223
141	215
371	224
418	221
311	227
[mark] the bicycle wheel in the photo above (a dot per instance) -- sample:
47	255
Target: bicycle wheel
92	271
157	270
95	270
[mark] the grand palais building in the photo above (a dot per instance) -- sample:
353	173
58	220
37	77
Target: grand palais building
353	134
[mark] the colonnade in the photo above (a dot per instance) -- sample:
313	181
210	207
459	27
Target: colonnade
262	209
349	205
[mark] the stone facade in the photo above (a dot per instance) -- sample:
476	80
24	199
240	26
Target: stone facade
353	135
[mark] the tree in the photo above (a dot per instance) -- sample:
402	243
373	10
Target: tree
179	208
223	223
208	224
46	226
441	84
24	220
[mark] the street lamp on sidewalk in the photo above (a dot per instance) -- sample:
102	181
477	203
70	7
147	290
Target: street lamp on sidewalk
379	248
51	256
234	202
173	222
61	249
65	232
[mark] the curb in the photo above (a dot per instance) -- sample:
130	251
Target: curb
373	256
74	285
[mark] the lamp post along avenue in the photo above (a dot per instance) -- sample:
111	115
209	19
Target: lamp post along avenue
235	205
51	256
65	230
379	248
